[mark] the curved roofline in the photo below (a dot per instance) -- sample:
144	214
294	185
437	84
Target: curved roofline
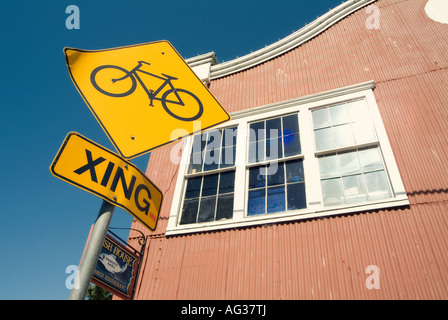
288	43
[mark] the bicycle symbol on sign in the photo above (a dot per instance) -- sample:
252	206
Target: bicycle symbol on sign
105	77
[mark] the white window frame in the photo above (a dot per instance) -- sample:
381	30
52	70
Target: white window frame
315	208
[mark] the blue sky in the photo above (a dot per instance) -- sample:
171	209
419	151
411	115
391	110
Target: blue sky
44	221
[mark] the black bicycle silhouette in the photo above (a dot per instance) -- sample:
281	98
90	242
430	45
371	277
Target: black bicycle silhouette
171	97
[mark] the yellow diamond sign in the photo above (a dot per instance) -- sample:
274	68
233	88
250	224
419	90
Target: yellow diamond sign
144	96
93	168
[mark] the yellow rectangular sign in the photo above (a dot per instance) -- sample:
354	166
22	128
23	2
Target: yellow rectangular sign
144	96
100	171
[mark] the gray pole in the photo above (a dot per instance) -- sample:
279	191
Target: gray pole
92	252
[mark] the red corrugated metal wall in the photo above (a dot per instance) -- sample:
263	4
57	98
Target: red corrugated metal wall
327	258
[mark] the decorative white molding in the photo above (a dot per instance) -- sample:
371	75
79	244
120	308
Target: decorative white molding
290	42
207	67
201	59
201	65
368	85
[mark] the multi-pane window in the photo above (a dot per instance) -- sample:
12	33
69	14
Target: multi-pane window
310	157
274	139
209	198
356	172
279	191
355	176
343	125
276	185
209	189
213	150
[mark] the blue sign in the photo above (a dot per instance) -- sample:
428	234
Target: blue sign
116	268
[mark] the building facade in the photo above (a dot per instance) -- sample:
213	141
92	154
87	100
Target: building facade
331	179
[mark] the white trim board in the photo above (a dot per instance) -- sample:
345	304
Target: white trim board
288	43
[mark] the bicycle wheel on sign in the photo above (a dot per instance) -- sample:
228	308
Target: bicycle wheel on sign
182	104
113	81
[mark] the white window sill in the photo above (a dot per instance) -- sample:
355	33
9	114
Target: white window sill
296	215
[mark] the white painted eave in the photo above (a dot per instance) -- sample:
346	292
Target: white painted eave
201	65
202	59
288	43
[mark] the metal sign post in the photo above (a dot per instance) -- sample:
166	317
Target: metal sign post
92	252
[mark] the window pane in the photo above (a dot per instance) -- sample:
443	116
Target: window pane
370	159
328	166
225	207
277	177
195	163
332	192
324	139
229	137
290	125
358	110
198	143
294	171
377	185
362	126
296	196
189	211
274	149
257	177
193	188
228	157
354	190
292	145
256	132
343	135
214	139
321	118
349	163
256	151
211	159
276	199
273	128
339	114
256	204
364	131
210	185
207	209
227	182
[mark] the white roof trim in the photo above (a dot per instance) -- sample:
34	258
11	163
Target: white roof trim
288	43
319	96
202	59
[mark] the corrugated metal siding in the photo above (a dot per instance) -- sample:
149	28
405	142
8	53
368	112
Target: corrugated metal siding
327	258
316	259
415	113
